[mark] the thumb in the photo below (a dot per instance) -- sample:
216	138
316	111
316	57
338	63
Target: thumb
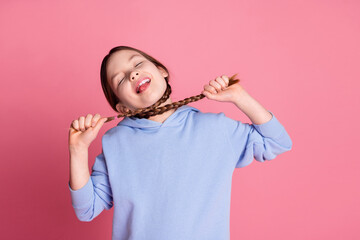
99	124
210	95
72	129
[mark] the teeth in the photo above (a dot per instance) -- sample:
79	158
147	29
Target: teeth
142	82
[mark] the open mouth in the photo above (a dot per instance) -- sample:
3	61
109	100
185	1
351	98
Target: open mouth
143	85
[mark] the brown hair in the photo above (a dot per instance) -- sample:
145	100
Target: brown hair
153	109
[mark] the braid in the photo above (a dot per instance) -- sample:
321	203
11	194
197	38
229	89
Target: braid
142	111
155	110
169	106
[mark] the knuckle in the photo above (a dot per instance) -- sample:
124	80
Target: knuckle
220	80
217	86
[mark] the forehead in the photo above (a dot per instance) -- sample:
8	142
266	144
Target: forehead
120	58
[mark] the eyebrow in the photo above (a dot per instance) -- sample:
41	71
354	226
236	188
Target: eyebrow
135	55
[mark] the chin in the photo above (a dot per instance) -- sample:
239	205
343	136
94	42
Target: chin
152	97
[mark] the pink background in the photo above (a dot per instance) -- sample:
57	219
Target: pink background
299	59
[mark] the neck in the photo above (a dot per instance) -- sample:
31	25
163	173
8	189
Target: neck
162	117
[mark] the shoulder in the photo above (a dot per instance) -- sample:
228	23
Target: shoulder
110	132
113	132
207	115
209	118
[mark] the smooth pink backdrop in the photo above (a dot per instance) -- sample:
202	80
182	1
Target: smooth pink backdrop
299	59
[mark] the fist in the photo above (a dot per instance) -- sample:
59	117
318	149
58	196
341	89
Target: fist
83	131
220	90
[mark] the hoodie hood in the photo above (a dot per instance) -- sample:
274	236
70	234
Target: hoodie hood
174	119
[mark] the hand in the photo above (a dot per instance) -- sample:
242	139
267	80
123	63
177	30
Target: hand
83	131
219	90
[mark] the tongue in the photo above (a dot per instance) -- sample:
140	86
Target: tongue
142	87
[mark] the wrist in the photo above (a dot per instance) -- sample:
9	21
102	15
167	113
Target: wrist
77	149
241	98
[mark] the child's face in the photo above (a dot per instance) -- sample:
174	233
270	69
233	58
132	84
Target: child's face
125	83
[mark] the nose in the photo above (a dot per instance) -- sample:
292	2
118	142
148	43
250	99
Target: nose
134	76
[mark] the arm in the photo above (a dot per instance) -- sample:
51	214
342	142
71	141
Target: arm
89	194
79	168
95	194
253	109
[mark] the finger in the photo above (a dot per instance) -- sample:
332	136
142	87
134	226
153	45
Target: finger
99	124
221	82
82	123
75	124
216	85
95	119
88	120
207	94
226	79
210	89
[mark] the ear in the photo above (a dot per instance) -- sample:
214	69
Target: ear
122	109
163	72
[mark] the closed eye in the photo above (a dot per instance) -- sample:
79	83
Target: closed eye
124	77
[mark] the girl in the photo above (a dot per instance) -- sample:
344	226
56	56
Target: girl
167	172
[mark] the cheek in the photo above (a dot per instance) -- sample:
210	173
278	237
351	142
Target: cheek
162	86
122	92
125	90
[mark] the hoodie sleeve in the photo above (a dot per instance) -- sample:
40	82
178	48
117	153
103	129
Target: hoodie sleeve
90	200
262	142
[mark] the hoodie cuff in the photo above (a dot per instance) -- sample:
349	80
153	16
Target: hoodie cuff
271	128
82	196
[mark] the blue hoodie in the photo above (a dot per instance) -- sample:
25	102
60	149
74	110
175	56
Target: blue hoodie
172	180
